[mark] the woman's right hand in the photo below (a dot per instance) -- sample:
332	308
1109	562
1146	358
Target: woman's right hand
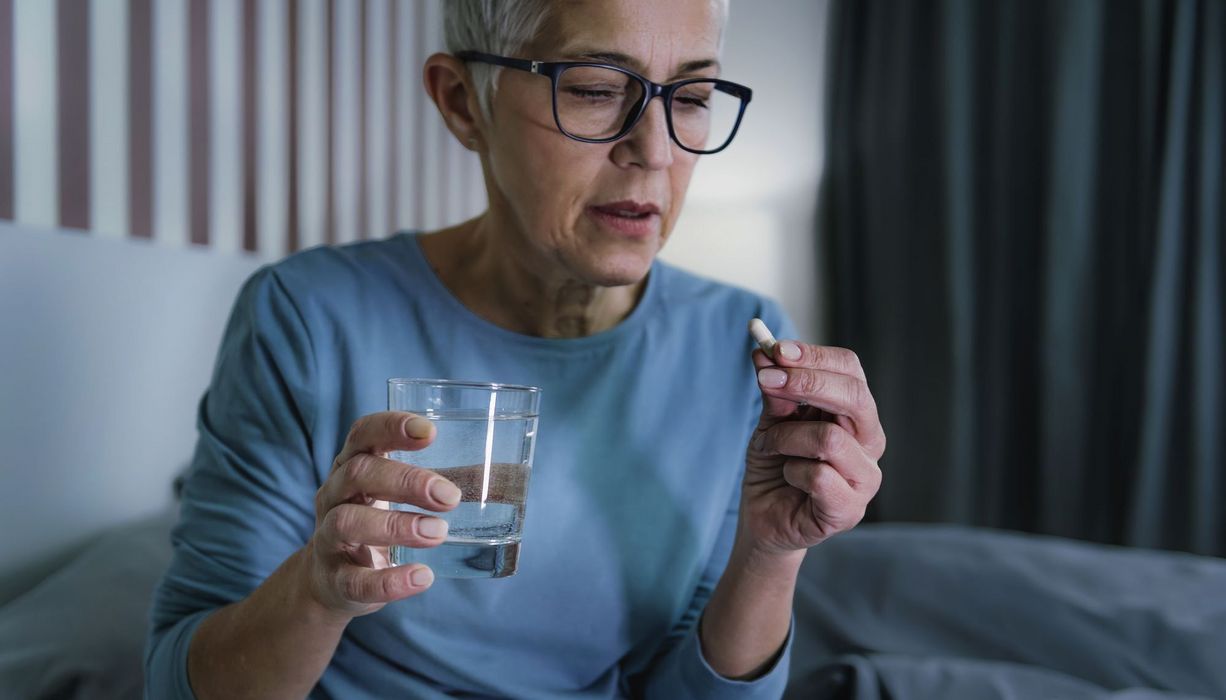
348	566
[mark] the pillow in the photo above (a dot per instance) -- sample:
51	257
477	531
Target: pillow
81	632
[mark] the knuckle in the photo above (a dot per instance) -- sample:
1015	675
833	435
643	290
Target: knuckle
355	431
412	482
353	588
815	481
845	357
398	526
807	383
329	521
389	587
876	446
345	520
853	360
820	354
857	394
829	439
821	482
810	439
394	424
358	467
320	501
876	477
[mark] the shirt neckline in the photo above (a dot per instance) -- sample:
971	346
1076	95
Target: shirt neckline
636	319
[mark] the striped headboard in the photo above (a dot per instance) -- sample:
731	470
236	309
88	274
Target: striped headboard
256	125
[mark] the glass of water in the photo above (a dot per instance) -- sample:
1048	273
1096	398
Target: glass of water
486	434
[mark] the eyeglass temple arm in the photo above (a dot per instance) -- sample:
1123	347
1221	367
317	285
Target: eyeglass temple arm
518	63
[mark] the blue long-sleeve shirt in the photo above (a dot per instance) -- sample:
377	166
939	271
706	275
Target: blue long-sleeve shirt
632	502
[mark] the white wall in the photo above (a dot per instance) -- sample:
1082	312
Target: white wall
106	345
750	217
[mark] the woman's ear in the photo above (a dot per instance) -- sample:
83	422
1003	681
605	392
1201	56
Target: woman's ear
449	84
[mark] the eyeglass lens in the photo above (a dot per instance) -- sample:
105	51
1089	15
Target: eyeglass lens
594	103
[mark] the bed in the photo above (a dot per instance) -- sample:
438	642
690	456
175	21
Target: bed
915	612
930	611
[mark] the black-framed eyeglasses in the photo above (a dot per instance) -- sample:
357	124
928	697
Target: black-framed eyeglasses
601	102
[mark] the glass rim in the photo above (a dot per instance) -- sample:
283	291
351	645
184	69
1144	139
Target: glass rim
462	384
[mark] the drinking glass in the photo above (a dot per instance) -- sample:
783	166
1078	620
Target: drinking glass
486	434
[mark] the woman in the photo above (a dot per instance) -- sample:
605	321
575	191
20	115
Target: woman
675	492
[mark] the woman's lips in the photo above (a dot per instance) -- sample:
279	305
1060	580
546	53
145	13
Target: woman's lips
632	226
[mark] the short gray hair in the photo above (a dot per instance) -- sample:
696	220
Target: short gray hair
503	27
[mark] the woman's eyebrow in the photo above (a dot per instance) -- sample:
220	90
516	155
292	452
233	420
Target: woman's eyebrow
627	61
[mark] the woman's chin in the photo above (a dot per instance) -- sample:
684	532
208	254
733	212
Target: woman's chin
606	260
617	270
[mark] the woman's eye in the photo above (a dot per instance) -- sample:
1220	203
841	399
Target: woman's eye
594	93
690	101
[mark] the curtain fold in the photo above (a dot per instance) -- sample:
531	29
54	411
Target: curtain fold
1023	202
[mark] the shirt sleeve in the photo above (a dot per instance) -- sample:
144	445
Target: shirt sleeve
682	672
247	503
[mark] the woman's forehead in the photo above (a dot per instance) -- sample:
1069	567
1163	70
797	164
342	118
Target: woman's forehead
676	37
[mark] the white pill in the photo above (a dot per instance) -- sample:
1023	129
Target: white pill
763	335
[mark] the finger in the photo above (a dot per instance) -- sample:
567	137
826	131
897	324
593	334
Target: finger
362	585
384	432
826	442
352	524
839	394
773	407
792	353
761	359
367	476
839	360
814	477
835	501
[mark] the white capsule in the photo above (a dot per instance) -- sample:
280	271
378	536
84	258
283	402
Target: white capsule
763	335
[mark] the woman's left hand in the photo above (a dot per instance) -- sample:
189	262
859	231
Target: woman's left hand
811	467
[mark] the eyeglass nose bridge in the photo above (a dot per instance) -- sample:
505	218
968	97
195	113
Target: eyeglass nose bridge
650	92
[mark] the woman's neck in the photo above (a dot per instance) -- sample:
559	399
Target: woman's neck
507	288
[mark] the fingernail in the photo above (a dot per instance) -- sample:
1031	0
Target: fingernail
432	527
445	492
422	577
772	378
789	350
419	428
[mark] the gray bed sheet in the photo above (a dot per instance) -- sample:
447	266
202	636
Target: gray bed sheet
895	612
909	612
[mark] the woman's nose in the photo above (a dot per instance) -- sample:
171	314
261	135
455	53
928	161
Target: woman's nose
648	144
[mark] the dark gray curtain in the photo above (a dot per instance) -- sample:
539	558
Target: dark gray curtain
1024	236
